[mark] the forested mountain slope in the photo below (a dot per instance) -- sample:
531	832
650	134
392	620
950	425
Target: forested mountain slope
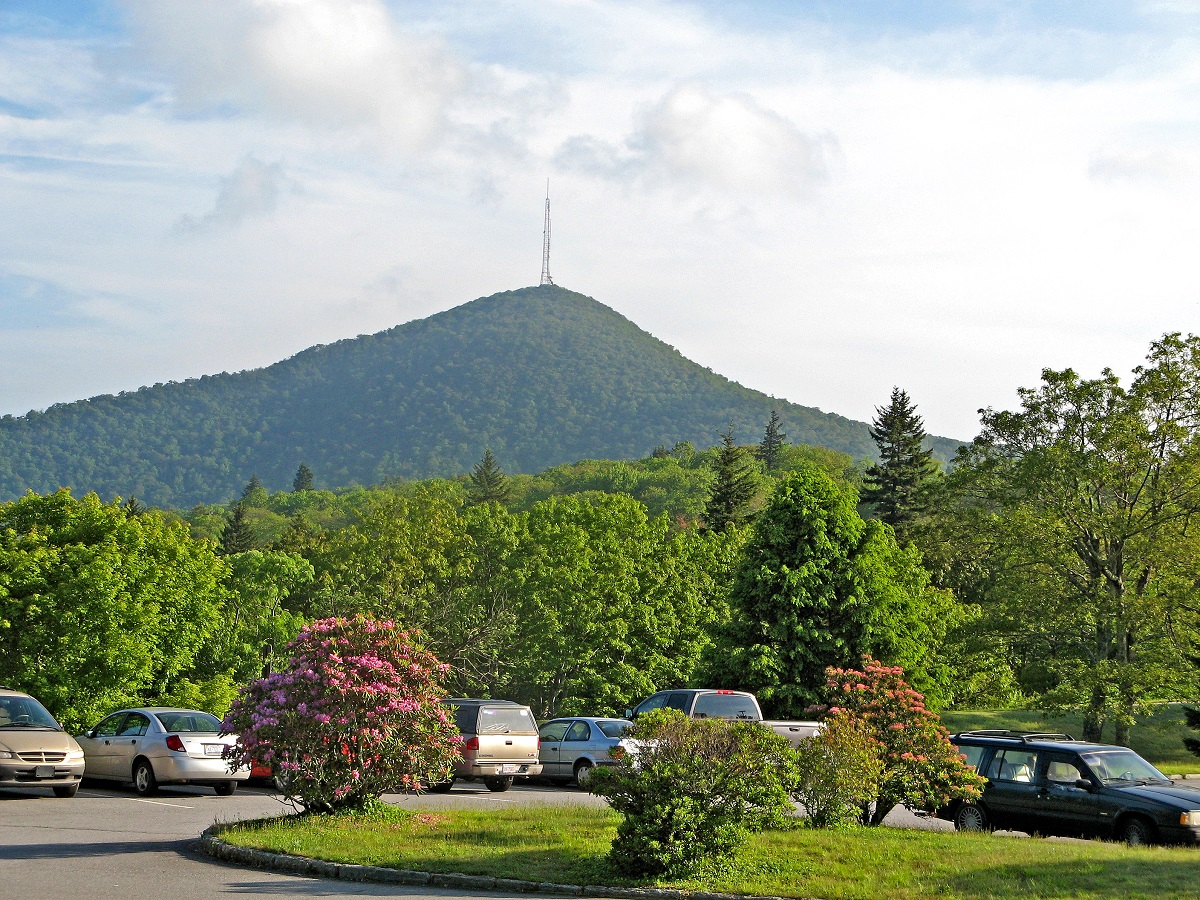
541	375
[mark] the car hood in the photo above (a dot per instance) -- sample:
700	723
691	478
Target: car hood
1178	795
25	740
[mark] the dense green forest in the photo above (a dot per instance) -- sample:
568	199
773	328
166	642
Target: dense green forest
543	376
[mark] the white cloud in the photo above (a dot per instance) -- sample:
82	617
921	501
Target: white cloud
252	189
329	63
728	142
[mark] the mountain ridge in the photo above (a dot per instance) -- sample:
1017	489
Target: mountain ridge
541	375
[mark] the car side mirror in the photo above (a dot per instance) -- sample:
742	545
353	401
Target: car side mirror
1084	783
90	733
629	713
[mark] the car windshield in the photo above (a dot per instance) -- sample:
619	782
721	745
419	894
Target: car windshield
614	728
1116	766
182	721
25	712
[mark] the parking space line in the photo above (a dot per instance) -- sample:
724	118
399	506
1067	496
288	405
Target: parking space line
159	803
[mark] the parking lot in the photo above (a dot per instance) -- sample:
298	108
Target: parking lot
107	843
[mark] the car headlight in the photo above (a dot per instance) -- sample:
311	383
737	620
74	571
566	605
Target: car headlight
74	755
1191	818
7	754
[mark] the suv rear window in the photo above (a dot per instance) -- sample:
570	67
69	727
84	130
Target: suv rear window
505	720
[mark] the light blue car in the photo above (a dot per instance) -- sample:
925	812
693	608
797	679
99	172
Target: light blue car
573	746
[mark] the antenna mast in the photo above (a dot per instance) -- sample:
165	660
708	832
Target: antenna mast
546	279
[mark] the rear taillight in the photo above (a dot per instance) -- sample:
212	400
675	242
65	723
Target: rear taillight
175	742
470	747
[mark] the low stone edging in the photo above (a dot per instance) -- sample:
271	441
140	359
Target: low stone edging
286	864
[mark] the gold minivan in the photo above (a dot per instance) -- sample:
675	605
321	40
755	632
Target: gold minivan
34	750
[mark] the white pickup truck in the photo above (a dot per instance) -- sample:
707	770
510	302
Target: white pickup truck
733	705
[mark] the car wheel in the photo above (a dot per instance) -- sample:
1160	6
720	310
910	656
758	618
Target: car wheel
503	783
144	781
1136	832
583	772
225	788
970	817
442	787
66	790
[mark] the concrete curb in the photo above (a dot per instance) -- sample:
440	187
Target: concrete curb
286	864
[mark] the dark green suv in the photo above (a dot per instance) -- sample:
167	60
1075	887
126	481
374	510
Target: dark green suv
1054	784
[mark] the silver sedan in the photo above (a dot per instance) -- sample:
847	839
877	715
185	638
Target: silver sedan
156	745
572	747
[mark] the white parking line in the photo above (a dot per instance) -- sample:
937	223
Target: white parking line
159	803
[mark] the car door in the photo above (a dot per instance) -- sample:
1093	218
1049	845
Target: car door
127	744
1012	791
552	733
1066	808
98	747
575	745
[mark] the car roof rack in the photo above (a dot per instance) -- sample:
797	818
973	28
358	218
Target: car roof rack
1022	736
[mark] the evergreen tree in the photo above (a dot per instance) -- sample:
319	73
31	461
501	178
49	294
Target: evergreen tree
238	534
254	494
895	487
734	488
134	507
1191	715
303	480
488	481
773	440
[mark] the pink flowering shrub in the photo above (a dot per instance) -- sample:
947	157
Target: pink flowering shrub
921	768
354	713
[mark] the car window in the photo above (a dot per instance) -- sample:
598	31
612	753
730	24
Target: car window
189	721
1013	765
506	720
971	755
726	706
614	728
676	701
1121	765
579	732
23	711
108	727
654	701
135	725
554	731
1061	771
464	718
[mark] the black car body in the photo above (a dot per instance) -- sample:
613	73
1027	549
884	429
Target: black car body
1054	784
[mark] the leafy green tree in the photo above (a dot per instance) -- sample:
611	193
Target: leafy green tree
1073	518
734	488
238	535
772	442
895	487
100	608
819	586
254	494
488	483
303	480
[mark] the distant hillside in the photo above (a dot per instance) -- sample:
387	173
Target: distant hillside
541	375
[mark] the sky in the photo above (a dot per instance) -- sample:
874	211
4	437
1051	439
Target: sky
819	200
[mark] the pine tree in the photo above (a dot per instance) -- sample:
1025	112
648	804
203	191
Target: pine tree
254	494
238	534
772	442
1191	715
303	480
489	484
735	486
895	487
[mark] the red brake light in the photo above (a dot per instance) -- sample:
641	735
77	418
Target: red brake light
726	692
175	742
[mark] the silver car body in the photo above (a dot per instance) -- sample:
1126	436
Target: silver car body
180	746
572	746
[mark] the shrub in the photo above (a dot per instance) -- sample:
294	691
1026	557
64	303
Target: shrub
838	771
691	790
921	768
353	714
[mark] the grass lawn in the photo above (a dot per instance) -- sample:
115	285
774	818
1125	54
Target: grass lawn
1158	737
568	846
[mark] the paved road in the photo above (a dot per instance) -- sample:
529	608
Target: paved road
109	844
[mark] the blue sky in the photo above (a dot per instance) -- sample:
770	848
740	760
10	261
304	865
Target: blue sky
818	199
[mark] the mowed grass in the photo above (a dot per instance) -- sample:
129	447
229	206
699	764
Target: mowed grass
569	846
1158	737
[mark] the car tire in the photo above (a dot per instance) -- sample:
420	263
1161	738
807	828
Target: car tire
499	784
583	772
144	782
1136	831
442	787
225	788
66	790
970	817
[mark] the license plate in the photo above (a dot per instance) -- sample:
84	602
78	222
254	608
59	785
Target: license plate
509	770
214	749
43	772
